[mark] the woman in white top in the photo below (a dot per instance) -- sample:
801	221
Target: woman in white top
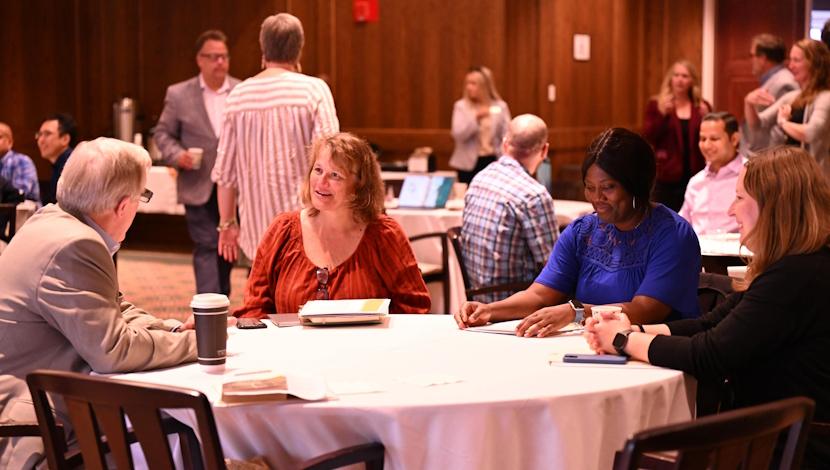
800	117
479	123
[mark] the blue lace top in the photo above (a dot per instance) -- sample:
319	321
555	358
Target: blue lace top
598	264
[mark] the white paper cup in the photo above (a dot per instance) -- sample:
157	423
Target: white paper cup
598	310
211	314
196	153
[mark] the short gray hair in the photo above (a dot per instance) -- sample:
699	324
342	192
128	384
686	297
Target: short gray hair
100	173
281	38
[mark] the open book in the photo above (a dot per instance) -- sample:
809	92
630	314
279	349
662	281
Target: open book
339	312
509	328
270	386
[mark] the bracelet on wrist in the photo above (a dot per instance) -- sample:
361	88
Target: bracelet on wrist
637	327
226	225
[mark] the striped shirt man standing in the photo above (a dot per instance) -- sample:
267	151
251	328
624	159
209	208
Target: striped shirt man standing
270	121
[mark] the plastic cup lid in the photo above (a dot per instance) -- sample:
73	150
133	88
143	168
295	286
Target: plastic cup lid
209	301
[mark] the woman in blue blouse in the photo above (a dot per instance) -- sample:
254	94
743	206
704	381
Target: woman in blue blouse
630	251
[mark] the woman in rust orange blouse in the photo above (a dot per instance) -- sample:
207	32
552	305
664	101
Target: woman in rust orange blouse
340	245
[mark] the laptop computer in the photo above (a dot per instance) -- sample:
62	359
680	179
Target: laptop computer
425	191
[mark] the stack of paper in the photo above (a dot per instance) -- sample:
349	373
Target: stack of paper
339	312
509	328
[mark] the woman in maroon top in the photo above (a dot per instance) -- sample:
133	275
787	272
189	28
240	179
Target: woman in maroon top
672	125
340	245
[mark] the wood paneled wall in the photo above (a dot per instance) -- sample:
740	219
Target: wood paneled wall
394	80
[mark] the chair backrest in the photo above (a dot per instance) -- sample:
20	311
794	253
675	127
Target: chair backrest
97	407
8	218
712	289
454	235
442	276
744	438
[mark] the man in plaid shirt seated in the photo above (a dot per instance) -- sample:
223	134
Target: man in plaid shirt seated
509	226
16	168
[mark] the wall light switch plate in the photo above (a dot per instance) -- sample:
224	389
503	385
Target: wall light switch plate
551	92
582	47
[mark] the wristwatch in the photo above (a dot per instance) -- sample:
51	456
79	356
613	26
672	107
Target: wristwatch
621	341
579	310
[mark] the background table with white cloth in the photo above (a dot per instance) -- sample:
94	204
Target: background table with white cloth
723	251
495	401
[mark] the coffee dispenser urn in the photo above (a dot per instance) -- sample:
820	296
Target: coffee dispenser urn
123	119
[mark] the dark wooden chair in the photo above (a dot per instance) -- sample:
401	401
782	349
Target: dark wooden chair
433	272
97	408
454	235
744	439
8	218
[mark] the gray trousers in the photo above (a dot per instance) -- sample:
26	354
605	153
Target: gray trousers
213	273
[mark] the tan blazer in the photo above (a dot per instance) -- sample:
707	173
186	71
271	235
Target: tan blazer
60	308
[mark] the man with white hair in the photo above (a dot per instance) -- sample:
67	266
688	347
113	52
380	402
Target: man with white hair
60	307
509	226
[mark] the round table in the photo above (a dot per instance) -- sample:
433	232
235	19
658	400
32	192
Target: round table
495	401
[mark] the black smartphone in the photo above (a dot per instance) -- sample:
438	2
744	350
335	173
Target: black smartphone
595	359
249	324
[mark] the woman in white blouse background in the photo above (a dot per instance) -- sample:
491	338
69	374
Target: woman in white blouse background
479	123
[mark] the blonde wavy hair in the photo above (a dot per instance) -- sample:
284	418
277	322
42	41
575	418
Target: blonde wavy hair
793	197
818	56
354	156
695	94
489	82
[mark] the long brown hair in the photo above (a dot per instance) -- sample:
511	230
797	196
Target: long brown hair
352	154
818	56
793	197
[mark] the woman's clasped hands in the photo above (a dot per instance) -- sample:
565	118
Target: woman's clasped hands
599	333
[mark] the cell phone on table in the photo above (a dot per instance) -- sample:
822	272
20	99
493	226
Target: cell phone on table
249	324
595	359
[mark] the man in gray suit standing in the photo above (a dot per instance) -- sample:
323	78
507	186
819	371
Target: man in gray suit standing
767	54
192	118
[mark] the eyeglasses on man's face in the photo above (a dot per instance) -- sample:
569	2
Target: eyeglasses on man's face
214	57
40	134
322	292
145	196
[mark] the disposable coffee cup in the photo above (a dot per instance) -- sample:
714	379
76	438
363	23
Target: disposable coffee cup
196	153
598	310
211	314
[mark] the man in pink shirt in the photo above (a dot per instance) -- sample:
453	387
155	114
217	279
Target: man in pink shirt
712	190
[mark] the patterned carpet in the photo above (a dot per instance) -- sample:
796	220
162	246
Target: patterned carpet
163	283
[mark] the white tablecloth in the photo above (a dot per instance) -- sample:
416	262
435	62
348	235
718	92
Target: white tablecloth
506	407
161	180
726	244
